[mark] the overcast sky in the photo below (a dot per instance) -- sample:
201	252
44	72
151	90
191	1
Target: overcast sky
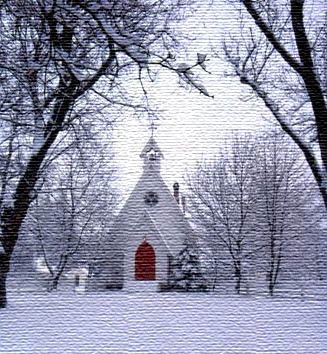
191	126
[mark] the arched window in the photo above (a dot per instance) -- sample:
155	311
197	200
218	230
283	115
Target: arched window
145	262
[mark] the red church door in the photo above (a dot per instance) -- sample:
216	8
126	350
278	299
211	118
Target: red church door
145	262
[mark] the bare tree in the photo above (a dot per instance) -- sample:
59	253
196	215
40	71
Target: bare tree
64	55
279	53
282	196
254	202
76	193
222	202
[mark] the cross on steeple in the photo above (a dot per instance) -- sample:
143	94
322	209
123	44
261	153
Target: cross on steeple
152	128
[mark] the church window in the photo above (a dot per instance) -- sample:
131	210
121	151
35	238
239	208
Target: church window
152	155
151	198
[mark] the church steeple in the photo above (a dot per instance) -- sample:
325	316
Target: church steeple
151	155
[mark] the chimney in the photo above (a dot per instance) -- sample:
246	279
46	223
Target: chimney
176	192
183	204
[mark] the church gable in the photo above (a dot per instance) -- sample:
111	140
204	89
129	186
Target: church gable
154	197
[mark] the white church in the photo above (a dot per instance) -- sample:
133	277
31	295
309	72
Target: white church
150	230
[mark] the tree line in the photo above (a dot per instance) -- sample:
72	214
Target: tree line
256	209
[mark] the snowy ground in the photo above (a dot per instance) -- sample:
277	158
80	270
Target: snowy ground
161	323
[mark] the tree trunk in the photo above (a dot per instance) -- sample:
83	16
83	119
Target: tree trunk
309	76
308	72
4	270
271	285
213	287
10	227
53	284
13	217
238	279
272	264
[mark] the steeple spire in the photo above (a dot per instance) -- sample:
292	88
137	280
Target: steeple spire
151	156
152	128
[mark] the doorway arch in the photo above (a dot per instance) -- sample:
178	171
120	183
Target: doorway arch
145	262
